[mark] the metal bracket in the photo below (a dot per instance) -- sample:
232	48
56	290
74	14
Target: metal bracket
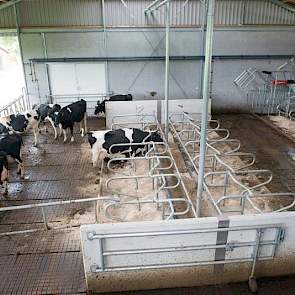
90	235
94	268
282	235
230	247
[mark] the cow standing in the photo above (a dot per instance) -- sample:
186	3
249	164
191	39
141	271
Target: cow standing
22	122
102	141
11	145
100	108
4	171
49	112
71	114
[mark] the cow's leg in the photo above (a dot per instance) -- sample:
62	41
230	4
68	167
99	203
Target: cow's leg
4	179
39	128
72	132
20	167
98	155
81	129
85	122
53	126
65	134
60	130
35	131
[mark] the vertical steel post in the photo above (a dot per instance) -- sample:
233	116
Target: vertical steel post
167	7
20	44
105	46
205	97
47	67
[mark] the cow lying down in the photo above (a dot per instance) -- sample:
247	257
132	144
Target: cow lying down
21	123
101	142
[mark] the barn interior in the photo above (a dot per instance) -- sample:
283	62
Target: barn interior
216	80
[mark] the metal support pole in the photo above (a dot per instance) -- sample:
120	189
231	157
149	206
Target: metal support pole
20	44
46	66
105	45
167	68
205	96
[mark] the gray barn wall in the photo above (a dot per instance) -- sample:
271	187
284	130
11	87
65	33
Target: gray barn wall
142	77
239	31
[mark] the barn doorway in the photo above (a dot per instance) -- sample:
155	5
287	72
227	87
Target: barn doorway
12	81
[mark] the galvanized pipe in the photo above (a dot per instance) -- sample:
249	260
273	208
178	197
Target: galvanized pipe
206	97
19	40
167	68
46	65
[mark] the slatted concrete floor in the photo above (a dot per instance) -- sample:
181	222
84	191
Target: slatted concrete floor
51	262
47	262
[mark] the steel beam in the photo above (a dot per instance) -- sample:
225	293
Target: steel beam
9	4
283	5
205	97
160	58
152	5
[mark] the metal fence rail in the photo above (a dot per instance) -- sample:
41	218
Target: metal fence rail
162	173
227	169
153	249
19	105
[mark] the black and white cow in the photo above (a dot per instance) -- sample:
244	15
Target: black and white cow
71	114
4	171
22	122
102	141
100	108
11	145
49	112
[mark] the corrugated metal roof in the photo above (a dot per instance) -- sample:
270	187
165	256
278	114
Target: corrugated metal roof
7	18
265	12
47	13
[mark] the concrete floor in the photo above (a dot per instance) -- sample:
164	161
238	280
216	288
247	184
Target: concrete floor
51	262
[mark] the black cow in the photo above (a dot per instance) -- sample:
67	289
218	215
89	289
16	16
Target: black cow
4	129
71	114
48	112
4	171
101	142
11	144
100	108
22	122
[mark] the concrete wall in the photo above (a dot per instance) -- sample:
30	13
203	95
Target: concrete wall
141	77
283	261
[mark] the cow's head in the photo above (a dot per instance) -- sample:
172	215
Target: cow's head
156	137
91	139
100	108
53	113
18	123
